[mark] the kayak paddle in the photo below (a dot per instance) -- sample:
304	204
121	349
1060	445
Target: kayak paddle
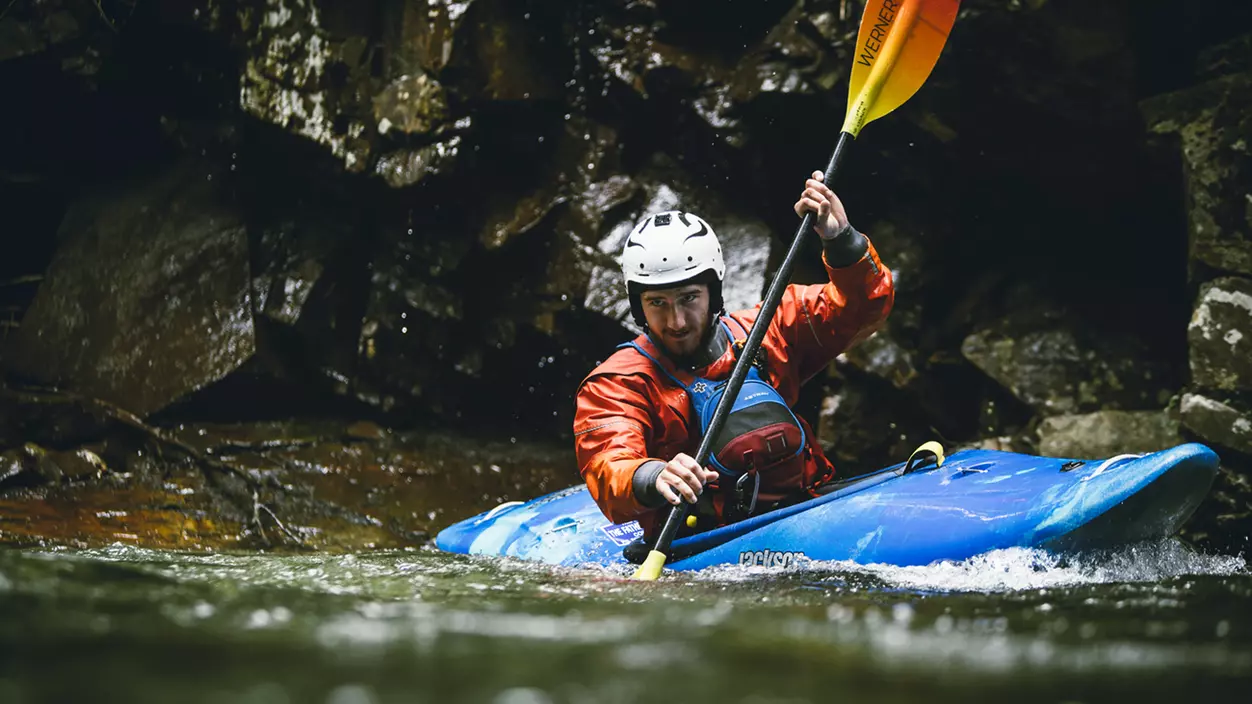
897	46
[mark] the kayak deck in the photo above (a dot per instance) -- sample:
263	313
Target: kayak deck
979	500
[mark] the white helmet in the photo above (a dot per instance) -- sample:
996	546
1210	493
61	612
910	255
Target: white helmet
668	249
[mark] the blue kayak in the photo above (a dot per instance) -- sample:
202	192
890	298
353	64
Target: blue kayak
976	501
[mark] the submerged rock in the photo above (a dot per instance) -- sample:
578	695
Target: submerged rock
147	299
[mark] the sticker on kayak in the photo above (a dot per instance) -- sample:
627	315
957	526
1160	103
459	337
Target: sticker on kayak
624	534
770	558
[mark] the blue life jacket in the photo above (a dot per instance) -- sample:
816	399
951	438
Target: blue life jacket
761	434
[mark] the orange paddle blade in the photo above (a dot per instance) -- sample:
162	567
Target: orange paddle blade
898	45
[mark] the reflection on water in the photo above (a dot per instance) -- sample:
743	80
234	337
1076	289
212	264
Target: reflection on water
1153	622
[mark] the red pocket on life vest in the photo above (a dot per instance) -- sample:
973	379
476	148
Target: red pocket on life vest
758	437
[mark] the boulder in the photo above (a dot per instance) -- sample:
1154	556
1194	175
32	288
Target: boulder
1217	422
1107	433
286	78
1220	335
1057	367
148	297
1213	123
379	100
864	425
883	356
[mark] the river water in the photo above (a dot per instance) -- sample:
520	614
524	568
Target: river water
1155	622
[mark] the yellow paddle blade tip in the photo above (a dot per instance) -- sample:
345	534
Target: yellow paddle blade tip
650	570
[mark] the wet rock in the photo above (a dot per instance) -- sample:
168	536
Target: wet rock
706	82
1223	522
1217	422
508	51
520	216
377	98
746	239
411	105
797	56
1220	335
1227	58
408	339
32	465
47	418
1059	368
72	31
882	356
407	167
428	31
862	427
686	22
892	352
147	299
694	80
1000	443
286	77
901	243
365	430
1214	124
285	297
583	153
663	53
1107	433
598	199
27	465
288	268
629	50
20	37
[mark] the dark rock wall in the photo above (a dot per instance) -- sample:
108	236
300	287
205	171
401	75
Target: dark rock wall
423	200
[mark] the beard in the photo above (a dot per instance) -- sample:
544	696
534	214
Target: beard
692	350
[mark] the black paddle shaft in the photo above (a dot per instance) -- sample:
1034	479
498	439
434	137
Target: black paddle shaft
678	513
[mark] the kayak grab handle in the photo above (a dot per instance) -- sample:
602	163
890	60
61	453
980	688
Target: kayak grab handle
1108	463
507	504
929	447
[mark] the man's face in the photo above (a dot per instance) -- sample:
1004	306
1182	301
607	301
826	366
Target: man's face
678	316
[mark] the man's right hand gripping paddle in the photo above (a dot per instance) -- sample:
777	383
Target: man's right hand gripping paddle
896	48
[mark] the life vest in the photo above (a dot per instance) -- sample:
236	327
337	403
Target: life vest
761	438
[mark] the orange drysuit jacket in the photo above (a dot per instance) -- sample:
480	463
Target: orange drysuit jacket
628	412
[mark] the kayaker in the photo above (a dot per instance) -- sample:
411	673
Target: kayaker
634	417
